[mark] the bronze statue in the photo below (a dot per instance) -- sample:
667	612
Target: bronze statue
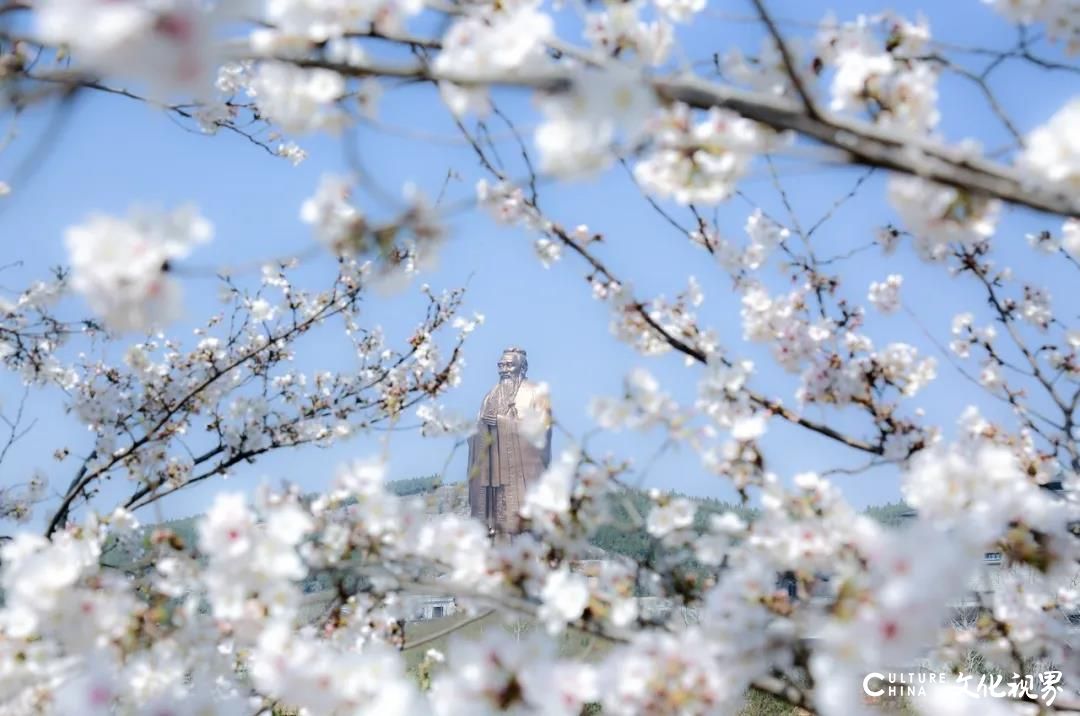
511	446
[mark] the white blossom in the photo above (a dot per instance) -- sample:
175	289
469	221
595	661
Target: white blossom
1035	307
666	673
582	125
335	220
1070	237
1059	17
676	514
168	44
228	530
698	162
939	215
121	265
496	673
361	477
766	72
38	577
1052	151
749	428
975	489
548	251
884	78
680	10
765	235
565	596
293	152
322	20
299	100
506	203
619	28
885	295
1044	241
901	367
552	491
435	420
486	44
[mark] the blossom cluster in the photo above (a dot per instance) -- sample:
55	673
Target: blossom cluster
878	70
699	161
1058	16
166	413
217	625
121	265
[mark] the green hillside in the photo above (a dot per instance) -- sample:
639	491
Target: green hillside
625	535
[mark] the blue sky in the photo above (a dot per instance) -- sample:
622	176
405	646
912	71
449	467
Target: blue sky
110	153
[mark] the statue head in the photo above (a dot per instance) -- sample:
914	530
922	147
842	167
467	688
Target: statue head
513	364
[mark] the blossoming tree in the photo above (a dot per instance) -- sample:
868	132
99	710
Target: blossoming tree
212	627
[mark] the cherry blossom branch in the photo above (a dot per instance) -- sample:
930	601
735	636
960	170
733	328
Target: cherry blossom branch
1010	397
15	430
331	305
872	146
699	356
1020	51
72	81
147	494
696	354
970	264
860	142
979	80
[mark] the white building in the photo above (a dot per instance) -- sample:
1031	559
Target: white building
420	607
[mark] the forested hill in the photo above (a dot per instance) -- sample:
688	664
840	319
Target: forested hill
637	543
185	529
620	537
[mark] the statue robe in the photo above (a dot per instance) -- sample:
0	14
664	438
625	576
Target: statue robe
504	463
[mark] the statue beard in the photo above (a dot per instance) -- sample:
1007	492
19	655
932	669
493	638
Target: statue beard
503	396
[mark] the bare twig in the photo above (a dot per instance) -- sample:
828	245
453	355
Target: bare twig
789	61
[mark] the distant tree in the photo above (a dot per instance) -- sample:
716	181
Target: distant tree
414	485
891	514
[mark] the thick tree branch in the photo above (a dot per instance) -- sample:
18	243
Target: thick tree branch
862	142
873	146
